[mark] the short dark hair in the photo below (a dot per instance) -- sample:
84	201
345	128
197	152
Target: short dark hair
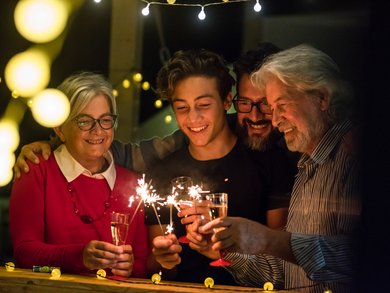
253	59
193	62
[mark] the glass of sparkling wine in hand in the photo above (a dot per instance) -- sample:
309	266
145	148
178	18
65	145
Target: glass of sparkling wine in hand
218	207
119	227
181	187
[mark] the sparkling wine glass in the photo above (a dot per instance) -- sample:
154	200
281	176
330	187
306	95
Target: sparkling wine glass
119	227
181	187
218	207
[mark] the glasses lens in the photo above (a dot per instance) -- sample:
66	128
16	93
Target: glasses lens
85	123
107	122
242	105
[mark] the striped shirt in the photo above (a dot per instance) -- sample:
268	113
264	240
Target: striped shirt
323	218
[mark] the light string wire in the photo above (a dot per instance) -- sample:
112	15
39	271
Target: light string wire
193	4
183	285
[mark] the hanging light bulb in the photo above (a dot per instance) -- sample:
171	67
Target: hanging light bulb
145	85
171	1
257	6
137	77
146	11
126	83
201	14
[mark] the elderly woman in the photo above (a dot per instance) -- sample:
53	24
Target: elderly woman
60	212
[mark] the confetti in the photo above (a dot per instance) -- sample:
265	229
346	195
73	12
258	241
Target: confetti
9	266
56	273
101	274
156	278
209	282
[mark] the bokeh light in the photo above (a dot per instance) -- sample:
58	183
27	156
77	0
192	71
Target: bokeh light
27	73
168	119
41	21
9	136
137	77
7	160
50	108
145	85
126	83
158	104
5	176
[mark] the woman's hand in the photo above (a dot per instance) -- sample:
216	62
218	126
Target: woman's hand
100	254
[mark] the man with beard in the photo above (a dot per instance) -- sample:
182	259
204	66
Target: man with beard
311	104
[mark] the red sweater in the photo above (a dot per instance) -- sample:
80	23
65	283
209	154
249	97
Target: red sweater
46	231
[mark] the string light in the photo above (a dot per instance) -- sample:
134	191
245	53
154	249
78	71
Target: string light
202	14
257	6
145	11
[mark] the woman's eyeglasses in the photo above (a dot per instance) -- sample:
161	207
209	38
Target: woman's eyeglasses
86	122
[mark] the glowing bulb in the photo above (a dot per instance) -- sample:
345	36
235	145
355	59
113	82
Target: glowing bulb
5	178
209	282
156	278
158	104
168	119
97	1
115	92
145	85
201	14
27	73
50	108
41	21
137	77
7	159
257	6
145	11
126	83
15	94
101	274
9	134
268	286
171	1
56	273
9	266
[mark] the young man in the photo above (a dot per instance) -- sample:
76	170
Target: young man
198	85
310	103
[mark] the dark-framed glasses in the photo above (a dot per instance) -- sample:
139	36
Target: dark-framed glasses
86	122
243	105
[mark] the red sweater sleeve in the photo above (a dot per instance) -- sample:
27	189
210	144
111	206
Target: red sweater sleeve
27	225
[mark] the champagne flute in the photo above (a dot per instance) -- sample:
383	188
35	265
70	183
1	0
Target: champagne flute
119	227
218	207
181	188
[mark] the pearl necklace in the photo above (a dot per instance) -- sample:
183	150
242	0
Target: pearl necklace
87	219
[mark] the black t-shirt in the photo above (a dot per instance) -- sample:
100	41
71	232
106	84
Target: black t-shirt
238	173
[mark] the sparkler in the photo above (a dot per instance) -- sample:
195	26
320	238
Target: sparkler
148	196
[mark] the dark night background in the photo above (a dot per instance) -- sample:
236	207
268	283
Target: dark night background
87	48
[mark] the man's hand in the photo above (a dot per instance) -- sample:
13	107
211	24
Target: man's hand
28	152
200	242
166	251
238	235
